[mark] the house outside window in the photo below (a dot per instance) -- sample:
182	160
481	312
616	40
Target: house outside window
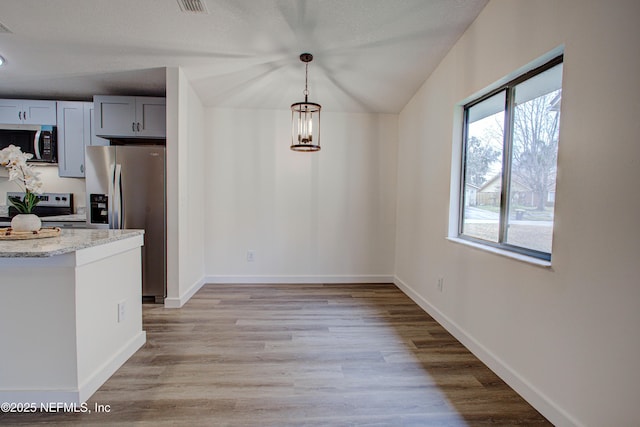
510	161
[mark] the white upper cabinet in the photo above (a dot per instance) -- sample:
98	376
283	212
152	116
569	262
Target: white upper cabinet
71	139
151	117
75	132
115	115
90	126
130	117
27	112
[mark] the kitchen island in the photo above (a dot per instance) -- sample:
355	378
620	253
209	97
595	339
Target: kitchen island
70	313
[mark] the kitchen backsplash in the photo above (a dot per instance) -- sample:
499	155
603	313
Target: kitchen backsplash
51	183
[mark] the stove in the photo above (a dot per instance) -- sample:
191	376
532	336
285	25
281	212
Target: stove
51	204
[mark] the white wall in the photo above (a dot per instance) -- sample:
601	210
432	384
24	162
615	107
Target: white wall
172	176
566	337
192	186
309	217
185	189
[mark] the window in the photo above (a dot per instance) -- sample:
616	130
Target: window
509	163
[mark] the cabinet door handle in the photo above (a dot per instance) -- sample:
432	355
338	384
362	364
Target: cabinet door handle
138	126
20	115
133	126
82	168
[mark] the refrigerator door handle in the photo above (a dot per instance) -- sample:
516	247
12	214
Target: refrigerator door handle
110	195
119	207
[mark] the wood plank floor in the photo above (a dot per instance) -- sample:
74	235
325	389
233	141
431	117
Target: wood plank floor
299	355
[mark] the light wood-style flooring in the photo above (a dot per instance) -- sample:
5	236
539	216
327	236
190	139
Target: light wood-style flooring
299	355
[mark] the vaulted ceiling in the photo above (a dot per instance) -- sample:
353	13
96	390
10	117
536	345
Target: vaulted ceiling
369	55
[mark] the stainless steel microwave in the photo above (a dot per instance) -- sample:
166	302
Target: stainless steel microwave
40	141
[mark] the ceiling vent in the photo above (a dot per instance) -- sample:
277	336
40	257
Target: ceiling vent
193	6
4	29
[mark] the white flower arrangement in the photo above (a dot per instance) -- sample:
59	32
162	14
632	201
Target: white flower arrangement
25	176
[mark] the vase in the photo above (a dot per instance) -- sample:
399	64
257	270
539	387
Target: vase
26	222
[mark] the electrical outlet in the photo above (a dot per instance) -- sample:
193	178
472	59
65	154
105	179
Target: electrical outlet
251	256
121	311
440	283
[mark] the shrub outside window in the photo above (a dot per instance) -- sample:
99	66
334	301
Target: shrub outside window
510	163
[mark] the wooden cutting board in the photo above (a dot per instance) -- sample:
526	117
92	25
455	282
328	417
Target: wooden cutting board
9	234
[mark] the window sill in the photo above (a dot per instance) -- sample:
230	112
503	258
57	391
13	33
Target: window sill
502	252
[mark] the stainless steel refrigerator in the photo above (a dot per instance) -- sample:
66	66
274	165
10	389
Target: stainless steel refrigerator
126	189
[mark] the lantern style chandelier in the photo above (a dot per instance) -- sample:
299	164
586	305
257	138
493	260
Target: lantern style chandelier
305	117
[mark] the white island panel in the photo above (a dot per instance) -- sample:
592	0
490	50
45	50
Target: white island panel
64	336
38	347
105	340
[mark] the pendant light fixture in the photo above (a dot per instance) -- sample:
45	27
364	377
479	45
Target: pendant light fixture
305	117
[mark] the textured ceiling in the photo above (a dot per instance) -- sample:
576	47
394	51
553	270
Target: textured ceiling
369	55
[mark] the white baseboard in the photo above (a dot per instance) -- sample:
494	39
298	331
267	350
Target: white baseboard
300	279
531	394
182	299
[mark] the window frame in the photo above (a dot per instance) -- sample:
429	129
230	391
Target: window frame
507	144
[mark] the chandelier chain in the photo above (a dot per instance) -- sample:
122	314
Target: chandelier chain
306	80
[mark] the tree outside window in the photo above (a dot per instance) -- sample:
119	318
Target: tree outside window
510	162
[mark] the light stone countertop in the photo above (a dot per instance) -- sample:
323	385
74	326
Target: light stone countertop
78	217
70	240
